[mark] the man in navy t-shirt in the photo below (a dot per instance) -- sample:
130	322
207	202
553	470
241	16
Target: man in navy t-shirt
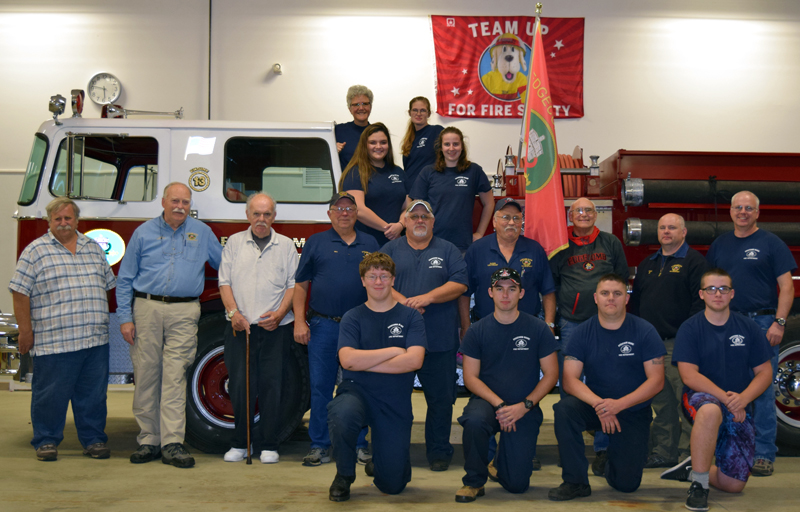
381	344
503	353
724	360
759	263
329	264
623	359
431	275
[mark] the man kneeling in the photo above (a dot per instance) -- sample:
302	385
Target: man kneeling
717	352
502	356
381	344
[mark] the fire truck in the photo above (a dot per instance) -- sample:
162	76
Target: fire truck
116	168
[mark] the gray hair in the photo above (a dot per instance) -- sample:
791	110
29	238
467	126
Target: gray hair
60	202
358	90
262	193
177	183
742	192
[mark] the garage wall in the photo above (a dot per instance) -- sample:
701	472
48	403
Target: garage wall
658	75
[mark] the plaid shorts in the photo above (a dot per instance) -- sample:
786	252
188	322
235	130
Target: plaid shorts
736	442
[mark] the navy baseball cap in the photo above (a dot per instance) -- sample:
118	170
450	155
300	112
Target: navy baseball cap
499	205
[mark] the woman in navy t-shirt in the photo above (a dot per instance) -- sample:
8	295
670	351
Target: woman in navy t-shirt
450	186
417	148
377	184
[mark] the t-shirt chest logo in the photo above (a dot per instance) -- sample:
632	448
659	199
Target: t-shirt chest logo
422	141
751	254
396	331
395	178
435	262
588	266
462	181
737	340
625	349
521	343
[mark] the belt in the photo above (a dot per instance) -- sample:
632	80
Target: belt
761	312
162	298
311	313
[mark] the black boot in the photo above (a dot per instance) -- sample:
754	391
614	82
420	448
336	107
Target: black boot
340	488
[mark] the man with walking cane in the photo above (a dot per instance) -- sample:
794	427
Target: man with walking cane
256	283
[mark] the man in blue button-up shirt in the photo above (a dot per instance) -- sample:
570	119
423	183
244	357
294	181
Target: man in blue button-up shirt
159	284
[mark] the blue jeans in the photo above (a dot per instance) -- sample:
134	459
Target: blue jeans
79	377
323	366
764	416
566	328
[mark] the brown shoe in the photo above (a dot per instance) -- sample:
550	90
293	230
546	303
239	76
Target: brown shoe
97	451
469	494
47	452
492	472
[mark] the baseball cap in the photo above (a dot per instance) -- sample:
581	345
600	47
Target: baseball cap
506	273
499	205
341	195
416	202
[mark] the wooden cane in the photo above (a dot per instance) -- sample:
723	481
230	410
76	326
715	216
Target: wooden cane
247	392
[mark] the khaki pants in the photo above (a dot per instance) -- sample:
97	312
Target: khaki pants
670	432
165	346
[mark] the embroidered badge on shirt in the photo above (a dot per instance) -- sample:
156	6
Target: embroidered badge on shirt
462	181
422	141
365	253
737	340
676	268
492	264
396	331
588	266
526	262
436	262
192	237
625	349
521	343
751	254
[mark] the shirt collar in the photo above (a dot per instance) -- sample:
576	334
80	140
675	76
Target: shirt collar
680	253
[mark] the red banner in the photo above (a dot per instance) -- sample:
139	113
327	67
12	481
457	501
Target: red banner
482	64
544	199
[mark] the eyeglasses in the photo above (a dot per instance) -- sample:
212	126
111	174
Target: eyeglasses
416	217
583	211
509	218
419	110
384	278
362	104
340	209
712	290
748	209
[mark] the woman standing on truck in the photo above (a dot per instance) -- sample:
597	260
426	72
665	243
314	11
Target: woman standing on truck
450	186
377	184
417	147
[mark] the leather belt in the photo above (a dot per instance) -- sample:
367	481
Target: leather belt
311	313
162	298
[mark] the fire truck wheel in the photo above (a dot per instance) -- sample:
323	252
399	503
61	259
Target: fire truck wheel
209	413
787	388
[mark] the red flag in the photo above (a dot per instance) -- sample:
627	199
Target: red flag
544	200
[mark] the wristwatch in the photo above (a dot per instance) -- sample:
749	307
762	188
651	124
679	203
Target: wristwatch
231	313
551	325
781	321
528	404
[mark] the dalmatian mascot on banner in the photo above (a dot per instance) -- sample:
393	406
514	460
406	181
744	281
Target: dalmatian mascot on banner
507	79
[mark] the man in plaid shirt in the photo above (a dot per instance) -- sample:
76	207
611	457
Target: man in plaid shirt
61	305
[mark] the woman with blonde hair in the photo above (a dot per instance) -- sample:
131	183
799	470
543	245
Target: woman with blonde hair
377	184
417	148
450	186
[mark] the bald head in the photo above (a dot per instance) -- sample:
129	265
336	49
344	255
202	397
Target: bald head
583	215
671	233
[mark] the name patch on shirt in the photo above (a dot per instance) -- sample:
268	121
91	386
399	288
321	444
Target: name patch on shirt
462	181
737	340
625	349
751	254
396	331
521	343
435	262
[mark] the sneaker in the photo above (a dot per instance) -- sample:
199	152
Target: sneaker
599	464
440	465
269	457
369	468
468	494
492	472
146	453
762	467
97	451
681	472
698	497
235	455
47	452
537	464
567	491
657	461
316	457
177	455
363	456
340	488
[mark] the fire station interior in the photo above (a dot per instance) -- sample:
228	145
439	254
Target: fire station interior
682	100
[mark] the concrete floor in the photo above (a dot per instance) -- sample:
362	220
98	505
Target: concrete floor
76	482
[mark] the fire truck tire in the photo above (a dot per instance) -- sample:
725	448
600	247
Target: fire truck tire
787	390
209	413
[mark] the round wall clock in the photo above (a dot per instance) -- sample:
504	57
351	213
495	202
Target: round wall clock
104	88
